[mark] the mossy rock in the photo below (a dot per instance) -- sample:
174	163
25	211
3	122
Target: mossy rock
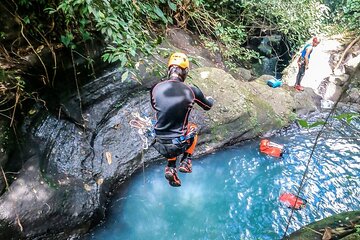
342	226
6	144
242	110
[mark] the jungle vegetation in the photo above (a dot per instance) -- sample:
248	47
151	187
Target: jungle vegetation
130	30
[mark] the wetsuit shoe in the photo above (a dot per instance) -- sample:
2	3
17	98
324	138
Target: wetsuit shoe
171	176
299	88
186	166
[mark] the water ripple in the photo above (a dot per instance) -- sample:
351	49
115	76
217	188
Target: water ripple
234	194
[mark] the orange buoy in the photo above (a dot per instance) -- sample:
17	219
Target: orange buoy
292	201
270	148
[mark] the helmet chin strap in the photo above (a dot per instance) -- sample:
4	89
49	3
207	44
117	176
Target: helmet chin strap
175	75
178	73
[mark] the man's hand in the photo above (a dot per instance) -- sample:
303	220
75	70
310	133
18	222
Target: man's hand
306	67
210	99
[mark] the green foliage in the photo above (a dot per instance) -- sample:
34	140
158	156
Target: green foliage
128	27
345	15
305	124
210	44
124	25
348	117
352	14
67	40
227	25
218	34
357	227
295	20
233	37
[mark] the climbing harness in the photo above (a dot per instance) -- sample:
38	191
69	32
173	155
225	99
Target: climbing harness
175	146
145	128
182	139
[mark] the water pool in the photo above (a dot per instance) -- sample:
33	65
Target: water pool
233	194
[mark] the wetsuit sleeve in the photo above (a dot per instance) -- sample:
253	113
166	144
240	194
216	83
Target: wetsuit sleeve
151	97
200	99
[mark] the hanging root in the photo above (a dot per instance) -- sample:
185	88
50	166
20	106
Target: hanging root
5	179
19	223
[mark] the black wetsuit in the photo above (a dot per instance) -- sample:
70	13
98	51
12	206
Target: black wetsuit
173	100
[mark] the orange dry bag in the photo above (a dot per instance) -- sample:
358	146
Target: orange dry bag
270	148
292	201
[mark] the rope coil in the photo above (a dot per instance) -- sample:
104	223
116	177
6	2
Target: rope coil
145	128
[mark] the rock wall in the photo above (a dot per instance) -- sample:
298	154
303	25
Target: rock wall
71	169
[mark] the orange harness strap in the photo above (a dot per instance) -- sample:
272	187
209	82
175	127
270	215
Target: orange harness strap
192	128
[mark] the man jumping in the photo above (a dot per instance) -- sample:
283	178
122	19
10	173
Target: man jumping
173	101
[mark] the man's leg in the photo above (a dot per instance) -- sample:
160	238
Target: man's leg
171	174
191	149
186	162
300	76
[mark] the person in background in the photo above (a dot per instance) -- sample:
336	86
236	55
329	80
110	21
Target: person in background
303	61
173	100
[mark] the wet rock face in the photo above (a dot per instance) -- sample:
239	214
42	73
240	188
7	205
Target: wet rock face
63	185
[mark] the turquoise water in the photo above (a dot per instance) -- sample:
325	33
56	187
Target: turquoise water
233	194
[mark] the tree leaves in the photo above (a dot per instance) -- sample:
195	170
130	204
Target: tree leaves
124	76
172	6
348	117
121	23
67	39
160	13
305	124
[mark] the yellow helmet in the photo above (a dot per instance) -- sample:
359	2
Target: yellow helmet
179	59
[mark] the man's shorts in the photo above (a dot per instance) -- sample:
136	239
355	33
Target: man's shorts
170	150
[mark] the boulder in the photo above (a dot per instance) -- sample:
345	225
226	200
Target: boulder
242	74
